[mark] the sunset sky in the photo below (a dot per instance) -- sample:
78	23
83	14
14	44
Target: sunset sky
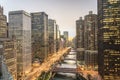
65	12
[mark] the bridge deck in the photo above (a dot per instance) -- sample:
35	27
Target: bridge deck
65	70
70	59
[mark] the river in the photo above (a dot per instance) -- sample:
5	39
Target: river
67	64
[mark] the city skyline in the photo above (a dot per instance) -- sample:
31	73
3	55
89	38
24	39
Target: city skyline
54	9
60	39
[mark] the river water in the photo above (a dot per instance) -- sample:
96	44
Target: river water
67	64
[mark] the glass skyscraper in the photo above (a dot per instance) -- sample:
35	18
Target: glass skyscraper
40	35
109	39
52	35
20	29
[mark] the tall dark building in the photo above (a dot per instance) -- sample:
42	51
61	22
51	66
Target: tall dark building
90	41
52	35
109	39
90	31
39	35
86	41
80	33
80	40
58	38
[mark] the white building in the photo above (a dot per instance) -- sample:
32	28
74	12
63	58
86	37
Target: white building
20	29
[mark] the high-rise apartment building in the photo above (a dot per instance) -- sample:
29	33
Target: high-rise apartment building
52	30
20	29
80	33
90	40
90	31
40	35
109	39
80	40
86	41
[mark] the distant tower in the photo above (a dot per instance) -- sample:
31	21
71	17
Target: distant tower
65	33
66	37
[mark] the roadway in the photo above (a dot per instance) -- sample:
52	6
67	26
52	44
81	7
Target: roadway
46	65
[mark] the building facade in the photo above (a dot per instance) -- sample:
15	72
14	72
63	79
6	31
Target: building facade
40	35
109	39
20	29
3	24
90	41
90	31
66	37
65	33
80	40
9	68
58	38
52	30
91	61
80	33
86	41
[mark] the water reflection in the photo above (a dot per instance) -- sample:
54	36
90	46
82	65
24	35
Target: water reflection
67	64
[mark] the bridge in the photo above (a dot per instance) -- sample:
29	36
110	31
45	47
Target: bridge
65	70
70	59
72	54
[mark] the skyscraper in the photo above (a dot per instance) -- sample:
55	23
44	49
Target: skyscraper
90	31
3	32
58	38
86	40
80	33
66	37
90	40
40	35
109	39
52	35
7	51
80	40
3	24
9	58
65	33
20	29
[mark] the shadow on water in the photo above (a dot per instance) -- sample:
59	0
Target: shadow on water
64	77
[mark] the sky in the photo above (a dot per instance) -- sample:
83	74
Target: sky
65	12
